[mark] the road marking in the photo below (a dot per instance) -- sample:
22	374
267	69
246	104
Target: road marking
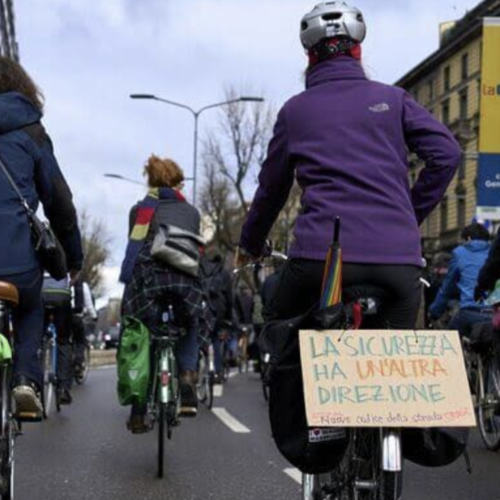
295	474
218	391
233	374
104	367
226	418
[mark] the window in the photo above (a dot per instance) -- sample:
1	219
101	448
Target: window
430	87
445	112
461	211
465	66
464	104
447	73
444	215
462	167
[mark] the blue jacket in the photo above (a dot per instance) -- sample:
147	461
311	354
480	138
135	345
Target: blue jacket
466	262
27	152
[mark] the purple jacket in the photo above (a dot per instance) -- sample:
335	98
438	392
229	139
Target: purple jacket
346	140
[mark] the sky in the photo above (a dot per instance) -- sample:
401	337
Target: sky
88	56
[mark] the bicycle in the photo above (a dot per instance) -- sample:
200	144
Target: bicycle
372	467
10	426
481	359
163	407
206	377
49	358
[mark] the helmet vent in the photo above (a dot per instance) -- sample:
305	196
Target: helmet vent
332	16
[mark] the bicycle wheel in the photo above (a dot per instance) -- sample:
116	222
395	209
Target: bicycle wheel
489	403
162	421
82	371
48	379
210	394
7	437
391	485
202	386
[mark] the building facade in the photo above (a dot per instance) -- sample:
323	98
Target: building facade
8	41
448	83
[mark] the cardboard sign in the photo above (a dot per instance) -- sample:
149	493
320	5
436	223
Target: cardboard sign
385	379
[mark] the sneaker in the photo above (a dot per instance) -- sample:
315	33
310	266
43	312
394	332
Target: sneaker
27	400
138	422
189	401
65	397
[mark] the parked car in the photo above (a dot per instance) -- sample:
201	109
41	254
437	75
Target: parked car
111	337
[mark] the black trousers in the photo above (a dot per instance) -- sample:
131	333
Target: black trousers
299	289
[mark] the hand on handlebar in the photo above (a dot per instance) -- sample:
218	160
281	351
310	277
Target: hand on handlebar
243	258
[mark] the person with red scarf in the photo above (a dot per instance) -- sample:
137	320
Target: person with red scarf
345	140
151	284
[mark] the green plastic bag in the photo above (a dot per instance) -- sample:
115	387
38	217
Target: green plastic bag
5	349
133	363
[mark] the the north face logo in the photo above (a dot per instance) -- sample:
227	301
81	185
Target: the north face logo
380	108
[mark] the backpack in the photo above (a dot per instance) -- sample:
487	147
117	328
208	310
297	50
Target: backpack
133	363
311	450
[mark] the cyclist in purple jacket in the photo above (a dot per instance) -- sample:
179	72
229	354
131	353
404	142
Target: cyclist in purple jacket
345	140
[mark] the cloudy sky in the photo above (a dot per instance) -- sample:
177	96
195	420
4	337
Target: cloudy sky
88	56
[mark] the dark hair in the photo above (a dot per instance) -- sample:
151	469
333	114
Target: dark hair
14	78
475	232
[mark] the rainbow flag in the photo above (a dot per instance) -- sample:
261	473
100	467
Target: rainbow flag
332	277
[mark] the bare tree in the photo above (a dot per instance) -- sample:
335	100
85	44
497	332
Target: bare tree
240	146
96	250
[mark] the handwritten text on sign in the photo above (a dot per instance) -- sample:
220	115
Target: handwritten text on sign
385	379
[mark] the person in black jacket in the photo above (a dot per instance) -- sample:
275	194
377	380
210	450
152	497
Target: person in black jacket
219	290
490	272
26	151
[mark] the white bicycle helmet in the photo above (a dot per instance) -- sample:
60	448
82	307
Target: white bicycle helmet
332	19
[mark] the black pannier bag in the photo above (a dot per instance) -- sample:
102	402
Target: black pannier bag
311	450
434	447
320	450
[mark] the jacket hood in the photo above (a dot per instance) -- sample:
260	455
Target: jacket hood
339	68
477	246
16	111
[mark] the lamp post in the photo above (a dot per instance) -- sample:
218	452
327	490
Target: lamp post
122	178
196	113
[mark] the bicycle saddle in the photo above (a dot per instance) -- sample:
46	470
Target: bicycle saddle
9	293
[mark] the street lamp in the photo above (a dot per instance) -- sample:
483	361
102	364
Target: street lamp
122	178
196	115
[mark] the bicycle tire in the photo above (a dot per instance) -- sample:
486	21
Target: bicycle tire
210	395
48	382
488	401
391	485
162	421
202	384
7	439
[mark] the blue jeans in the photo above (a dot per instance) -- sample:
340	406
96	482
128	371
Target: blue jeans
231	345
187	350
28	324
465	319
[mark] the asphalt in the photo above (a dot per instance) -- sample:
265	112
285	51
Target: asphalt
86	453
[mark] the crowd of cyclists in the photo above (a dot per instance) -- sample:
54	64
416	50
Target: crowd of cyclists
344	140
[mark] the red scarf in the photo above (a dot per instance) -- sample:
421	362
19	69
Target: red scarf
332	48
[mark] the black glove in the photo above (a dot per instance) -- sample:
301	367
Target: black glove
478	294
